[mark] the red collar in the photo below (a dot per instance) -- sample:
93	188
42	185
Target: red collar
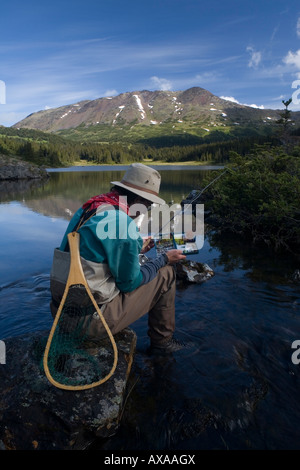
112	198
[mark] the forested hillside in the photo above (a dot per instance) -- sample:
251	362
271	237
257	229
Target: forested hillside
52	150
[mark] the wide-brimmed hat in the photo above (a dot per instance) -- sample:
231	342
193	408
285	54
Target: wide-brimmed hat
143	181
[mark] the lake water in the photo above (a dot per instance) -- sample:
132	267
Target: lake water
240	390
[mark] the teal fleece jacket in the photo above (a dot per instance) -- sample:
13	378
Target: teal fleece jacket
111	237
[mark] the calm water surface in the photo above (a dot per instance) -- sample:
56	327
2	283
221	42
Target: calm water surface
239	390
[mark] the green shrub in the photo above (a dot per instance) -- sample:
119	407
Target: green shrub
259	196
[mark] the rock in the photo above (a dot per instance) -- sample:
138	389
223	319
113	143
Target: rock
13	168
193	272
296	276
34	414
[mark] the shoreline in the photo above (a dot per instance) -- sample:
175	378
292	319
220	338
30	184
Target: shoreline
85	163
79	166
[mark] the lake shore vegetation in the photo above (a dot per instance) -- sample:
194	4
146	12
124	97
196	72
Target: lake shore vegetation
259	198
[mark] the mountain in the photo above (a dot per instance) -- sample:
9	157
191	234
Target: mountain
143	115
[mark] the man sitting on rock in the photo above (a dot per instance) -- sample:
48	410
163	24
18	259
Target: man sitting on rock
109	248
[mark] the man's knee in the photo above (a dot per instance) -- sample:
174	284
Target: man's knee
167	273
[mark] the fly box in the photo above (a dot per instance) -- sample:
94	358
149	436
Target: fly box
188	246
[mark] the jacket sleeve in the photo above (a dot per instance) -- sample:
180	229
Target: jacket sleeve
149	270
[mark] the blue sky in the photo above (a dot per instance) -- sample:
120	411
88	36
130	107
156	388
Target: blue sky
61	52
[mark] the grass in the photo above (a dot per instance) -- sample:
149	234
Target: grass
137	133
190	163
146	161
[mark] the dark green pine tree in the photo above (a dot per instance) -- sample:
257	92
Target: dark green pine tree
285	123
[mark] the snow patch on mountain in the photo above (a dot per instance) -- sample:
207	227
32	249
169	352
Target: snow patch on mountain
66	114
140	106
118	114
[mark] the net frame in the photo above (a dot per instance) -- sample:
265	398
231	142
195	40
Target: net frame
76	277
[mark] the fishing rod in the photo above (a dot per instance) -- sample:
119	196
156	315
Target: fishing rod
198	195
204	189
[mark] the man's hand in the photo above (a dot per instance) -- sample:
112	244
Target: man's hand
147	245
174	256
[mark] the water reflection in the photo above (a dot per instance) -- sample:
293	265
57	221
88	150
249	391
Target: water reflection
26	243
65	191
258	261
16	190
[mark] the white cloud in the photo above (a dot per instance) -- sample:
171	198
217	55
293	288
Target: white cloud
233	100
261	106
255	57
293	58
162	83
229	98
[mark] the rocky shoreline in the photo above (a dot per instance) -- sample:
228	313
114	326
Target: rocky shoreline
14	169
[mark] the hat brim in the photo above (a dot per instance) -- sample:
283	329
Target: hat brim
140	192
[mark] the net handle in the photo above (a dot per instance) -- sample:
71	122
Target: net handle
76	276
